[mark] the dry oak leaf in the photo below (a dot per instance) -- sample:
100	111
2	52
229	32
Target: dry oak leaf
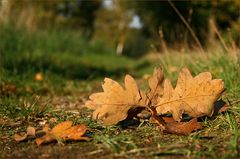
154	83
31	131
63	131
116	103
194	96
183	128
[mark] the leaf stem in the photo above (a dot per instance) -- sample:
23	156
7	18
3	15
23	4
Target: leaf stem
158	119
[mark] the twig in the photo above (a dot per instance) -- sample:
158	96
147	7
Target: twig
158	119
95	152
159	149
235	102
220	38
187	25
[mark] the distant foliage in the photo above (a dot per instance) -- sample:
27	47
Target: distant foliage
111	24
157	14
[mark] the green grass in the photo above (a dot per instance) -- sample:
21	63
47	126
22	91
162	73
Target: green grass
72	69
60	55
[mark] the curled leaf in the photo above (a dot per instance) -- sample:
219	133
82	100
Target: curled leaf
220	106
30	133
63	131
183	128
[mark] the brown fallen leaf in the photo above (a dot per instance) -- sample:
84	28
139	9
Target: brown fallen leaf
166	120
8	89
63	131
38	76
59	128
220	106
114	103
194	96
30	133
224	108
155	86
169	125
183	128
75	133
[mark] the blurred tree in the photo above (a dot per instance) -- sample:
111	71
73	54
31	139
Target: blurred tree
84	13
79	14
115	24
112	25
155	14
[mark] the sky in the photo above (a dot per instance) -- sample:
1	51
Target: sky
135	23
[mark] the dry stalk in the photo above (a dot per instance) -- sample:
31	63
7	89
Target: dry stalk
187	25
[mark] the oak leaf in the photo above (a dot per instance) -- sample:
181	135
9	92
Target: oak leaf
194	96
155	86
116	103
63	131
183	128
31	131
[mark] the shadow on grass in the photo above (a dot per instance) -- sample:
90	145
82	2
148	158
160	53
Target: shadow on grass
69	71
72	70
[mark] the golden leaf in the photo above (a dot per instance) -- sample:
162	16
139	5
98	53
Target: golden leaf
63	131
115	102
154	84
194	96
30	132
75	133
38	76
61	127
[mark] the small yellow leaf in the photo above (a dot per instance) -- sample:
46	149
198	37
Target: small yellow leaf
38	76
58	129
18	137
75	133
45	139
63	131
30	132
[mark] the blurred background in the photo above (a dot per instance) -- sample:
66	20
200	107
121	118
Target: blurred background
87	39
55	53
131	27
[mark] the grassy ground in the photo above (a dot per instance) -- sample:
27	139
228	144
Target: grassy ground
72	69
